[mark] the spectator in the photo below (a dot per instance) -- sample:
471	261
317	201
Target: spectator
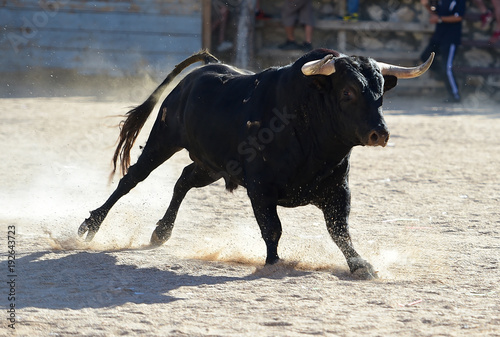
486	17
298	11
352	11
447	15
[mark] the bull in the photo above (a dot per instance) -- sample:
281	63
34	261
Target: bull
285	134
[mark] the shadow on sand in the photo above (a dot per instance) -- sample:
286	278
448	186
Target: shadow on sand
97	280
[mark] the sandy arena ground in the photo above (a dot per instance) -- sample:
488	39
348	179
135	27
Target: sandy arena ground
425	213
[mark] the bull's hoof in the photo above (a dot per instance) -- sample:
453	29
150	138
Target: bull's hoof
83	229
155	241
365	273
362	270
89	229
92	224
159	236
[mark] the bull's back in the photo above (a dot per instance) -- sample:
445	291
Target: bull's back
213	108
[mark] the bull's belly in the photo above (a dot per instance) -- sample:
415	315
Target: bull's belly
294	191
287	196
297	197
294	202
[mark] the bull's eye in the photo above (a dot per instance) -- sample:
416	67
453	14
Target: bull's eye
347	94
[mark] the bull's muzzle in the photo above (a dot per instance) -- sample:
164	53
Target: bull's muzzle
378	137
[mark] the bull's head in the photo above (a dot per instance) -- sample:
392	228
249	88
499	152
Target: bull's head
355	86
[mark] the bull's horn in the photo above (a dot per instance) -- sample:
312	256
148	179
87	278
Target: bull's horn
405	72
325	66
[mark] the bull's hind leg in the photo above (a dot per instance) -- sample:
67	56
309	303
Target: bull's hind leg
147	162
192	176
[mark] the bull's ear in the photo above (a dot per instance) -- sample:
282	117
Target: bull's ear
390	82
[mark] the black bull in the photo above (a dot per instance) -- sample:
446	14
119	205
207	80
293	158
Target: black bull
285	134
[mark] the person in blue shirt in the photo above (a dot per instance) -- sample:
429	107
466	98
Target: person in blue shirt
447	15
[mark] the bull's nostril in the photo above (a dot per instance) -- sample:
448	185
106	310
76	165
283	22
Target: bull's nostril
374	138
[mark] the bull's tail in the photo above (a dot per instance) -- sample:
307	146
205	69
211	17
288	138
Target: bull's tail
130	128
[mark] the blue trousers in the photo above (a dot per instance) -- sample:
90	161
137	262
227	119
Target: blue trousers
445	52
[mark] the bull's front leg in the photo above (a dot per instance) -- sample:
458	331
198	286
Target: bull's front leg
264	204
336	207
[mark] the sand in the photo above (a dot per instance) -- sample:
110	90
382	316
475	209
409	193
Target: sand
425	213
